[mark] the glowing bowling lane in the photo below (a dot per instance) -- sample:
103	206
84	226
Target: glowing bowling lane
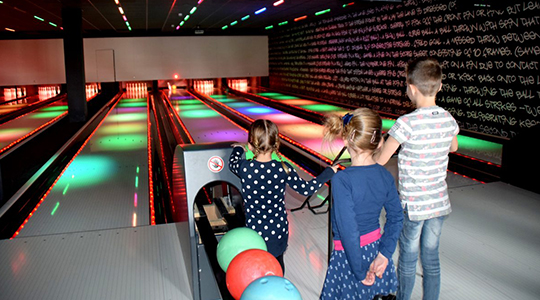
204	124
304	132
106	185
17	129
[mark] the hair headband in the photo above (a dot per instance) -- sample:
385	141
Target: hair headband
347	118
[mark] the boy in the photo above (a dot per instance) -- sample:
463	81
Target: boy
426	136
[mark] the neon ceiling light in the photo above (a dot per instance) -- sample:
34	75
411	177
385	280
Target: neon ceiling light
122	13
322	12
257	12
191	12
260	11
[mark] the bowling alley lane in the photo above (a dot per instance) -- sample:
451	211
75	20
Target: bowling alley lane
106	184
17	129
204	124
299	130
473	147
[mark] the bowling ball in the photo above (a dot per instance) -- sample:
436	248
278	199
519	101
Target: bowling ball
271	288
235	241
248	266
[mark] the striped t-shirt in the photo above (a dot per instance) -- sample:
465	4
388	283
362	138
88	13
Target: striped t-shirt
425	136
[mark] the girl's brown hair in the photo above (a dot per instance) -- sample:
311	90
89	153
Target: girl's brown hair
362	128
263	136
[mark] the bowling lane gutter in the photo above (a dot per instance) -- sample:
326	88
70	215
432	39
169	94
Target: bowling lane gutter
313	162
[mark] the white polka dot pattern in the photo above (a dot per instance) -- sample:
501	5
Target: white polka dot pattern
263	190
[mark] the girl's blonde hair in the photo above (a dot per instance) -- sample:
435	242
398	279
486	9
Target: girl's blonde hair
263	136
362	128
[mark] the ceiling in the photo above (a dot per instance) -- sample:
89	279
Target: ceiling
102	18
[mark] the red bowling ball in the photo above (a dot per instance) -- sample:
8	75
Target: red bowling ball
248	266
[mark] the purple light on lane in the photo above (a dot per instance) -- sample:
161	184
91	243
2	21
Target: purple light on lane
181	97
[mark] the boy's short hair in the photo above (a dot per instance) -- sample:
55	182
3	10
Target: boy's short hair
426	74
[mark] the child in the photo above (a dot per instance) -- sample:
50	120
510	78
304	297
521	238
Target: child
263	185
361	264
426	135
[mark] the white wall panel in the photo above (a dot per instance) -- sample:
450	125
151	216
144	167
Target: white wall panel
29	62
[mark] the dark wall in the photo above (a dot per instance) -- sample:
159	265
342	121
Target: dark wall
490	57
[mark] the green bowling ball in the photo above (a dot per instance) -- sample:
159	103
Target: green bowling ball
235	241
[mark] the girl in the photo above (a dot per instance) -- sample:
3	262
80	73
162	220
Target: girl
361	265
263	185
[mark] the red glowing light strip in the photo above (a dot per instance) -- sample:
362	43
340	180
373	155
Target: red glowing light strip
477	159
179	120
300	18
31	133
278	2
163	158
150	180
59	176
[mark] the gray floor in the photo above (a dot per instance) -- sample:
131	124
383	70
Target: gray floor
489	247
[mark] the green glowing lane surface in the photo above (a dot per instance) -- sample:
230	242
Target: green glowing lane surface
87	170
46	115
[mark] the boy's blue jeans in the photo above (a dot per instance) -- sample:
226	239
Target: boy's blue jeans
420	238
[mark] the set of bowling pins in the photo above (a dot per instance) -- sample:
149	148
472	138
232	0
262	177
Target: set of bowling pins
46	92
136	90
204	86
14	93
91	90
238	84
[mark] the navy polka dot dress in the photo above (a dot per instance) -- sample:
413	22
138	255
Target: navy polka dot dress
263	190
340	282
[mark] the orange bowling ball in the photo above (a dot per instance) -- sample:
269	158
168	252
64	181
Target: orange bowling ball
248	266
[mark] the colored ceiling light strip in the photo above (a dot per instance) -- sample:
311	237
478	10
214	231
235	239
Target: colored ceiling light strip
225	27
124	17
348	4
234	23
260	10
278	2
300	18
191	12
269	27
9	29
283	23
322	12
41	19
245	17
52	24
